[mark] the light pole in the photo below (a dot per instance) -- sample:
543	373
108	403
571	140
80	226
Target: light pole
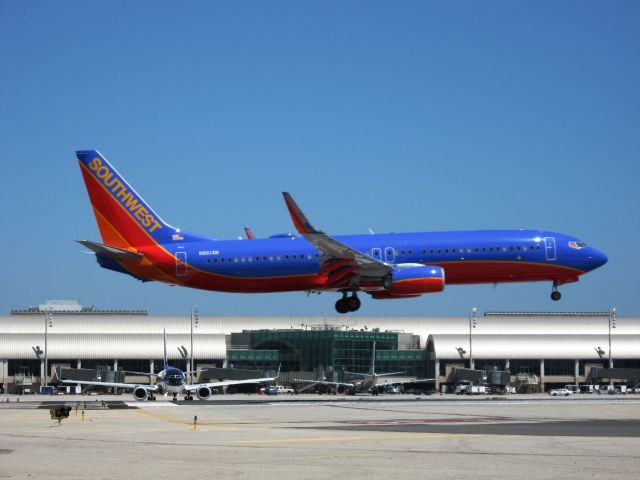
612	324
195	315
48	322
473	320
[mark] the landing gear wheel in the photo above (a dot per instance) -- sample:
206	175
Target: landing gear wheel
353	303
341	306
556	295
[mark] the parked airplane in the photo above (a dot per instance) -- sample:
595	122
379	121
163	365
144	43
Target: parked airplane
136	241
358	382
170	380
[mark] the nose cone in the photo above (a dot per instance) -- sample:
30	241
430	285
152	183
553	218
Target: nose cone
596	259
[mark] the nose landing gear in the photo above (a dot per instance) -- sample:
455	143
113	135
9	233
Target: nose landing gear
348	304
555	294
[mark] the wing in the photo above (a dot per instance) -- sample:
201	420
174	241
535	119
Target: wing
193	387
124	386
345	259
323	382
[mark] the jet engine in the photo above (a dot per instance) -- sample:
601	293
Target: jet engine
412	281
203	392
141	394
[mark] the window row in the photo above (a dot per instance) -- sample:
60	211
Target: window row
263	258
518	248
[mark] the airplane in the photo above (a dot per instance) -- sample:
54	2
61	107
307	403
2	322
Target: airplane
170	380
137	242
360	382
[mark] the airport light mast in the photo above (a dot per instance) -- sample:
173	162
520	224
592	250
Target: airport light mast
473	320
48	322
612	324
195	316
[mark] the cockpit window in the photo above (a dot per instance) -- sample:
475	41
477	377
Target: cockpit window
577	245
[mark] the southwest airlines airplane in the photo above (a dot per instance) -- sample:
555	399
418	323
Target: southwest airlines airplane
136	241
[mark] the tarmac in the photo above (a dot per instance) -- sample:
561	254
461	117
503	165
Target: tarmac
317	436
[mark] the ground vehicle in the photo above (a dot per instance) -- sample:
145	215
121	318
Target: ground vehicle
280	389
471	390
476	390
588	388
560	392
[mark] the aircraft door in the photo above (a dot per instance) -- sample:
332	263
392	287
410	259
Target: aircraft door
181	264
389	255
376	254
550	248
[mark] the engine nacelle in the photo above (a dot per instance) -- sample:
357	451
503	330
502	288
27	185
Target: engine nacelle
203	392
141	394
414	280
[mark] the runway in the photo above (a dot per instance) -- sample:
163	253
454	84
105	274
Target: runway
362	437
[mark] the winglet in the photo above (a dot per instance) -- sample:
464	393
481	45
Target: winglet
300	221
249	233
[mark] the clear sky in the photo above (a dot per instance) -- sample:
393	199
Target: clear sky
394	116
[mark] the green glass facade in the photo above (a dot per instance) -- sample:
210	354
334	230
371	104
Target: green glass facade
321	350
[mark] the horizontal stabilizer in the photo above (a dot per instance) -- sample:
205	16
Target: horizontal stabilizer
111	252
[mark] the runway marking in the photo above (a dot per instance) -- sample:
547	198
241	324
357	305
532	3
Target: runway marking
441	421
150	405
352	438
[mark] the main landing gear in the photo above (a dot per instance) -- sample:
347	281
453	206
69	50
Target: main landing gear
555	294
348	304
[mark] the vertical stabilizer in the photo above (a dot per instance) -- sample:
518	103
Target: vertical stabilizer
124	218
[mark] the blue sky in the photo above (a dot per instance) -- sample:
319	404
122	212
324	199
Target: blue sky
394	116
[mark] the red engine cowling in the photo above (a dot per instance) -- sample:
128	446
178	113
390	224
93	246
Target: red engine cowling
412	282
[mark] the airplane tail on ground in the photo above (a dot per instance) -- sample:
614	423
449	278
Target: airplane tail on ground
125	220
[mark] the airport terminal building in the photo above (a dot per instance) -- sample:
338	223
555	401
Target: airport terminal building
539	349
